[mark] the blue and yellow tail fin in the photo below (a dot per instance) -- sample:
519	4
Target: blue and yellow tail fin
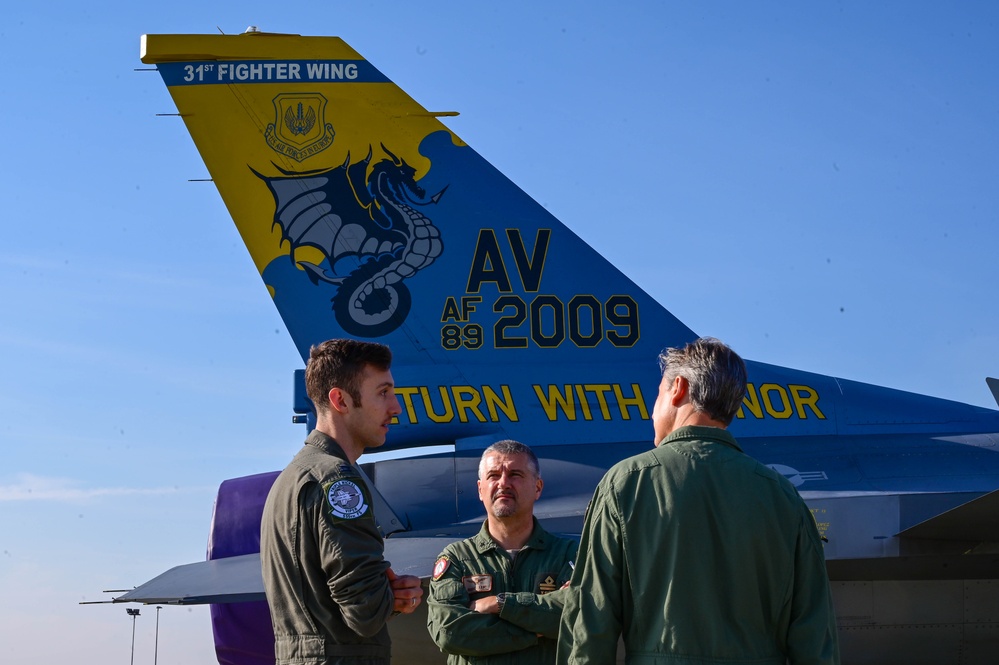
367	217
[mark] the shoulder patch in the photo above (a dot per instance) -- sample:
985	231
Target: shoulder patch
346	500
440	568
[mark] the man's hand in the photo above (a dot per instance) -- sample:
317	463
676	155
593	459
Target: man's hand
407	592
487	605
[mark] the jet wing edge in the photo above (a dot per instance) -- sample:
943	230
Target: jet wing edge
237	579
976	520
994	387
229	580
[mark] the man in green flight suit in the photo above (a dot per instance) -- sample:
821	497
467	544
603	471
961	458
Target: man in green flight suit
497	597
694	552
329	588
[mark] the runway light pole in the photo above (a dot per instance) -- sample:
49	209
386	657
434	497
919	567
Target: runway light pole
156	644
132	613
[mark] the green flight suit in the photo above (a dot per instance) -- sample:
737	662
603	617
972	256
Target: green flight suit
696	553
322	560
478	567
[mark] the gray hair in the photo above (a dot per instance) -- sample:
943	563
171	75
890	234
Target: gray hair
510	447
716	375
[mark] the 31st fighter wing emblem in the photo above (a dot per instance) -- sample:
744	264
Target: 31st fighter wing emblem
299	130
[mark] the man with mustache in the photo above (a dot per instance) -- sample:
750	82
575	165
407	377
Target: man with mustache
329	588
497	597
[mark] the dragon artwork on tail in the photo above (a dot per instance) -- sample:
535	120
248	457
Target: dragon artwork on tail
369	228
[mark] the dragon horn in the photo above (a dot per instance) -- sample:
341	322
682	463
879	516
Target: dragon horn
395	160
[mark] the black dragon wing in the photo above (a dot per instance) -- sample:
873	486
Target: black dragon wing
323	209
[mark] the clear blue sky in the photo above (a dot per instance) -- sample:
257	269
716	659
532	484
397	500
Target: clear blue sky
814	183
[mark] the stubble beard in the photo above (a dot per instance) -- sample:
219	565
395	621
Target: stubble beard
507	509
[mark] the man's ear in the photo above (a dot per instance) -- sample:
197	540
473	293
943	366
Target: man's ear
541	485
339	400
680	391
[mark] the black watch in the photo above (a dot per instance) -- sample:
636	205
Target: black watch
500	600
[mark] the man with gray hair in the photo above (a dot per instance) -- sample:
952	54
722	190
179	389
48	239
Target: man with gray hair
497	597
693	551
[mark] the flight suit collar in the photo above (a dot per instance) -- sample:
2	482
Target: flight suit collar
539	539
325	443
700	433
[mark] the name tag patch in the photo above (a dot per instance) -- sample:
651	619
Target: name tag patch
478	583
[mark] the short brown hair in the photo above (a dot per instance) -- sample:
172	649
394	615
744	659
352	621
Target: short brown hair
339	363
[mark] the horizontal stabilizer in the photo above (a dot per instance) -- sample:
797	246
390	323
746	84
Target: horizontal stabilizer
975	520
237	579
416	556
